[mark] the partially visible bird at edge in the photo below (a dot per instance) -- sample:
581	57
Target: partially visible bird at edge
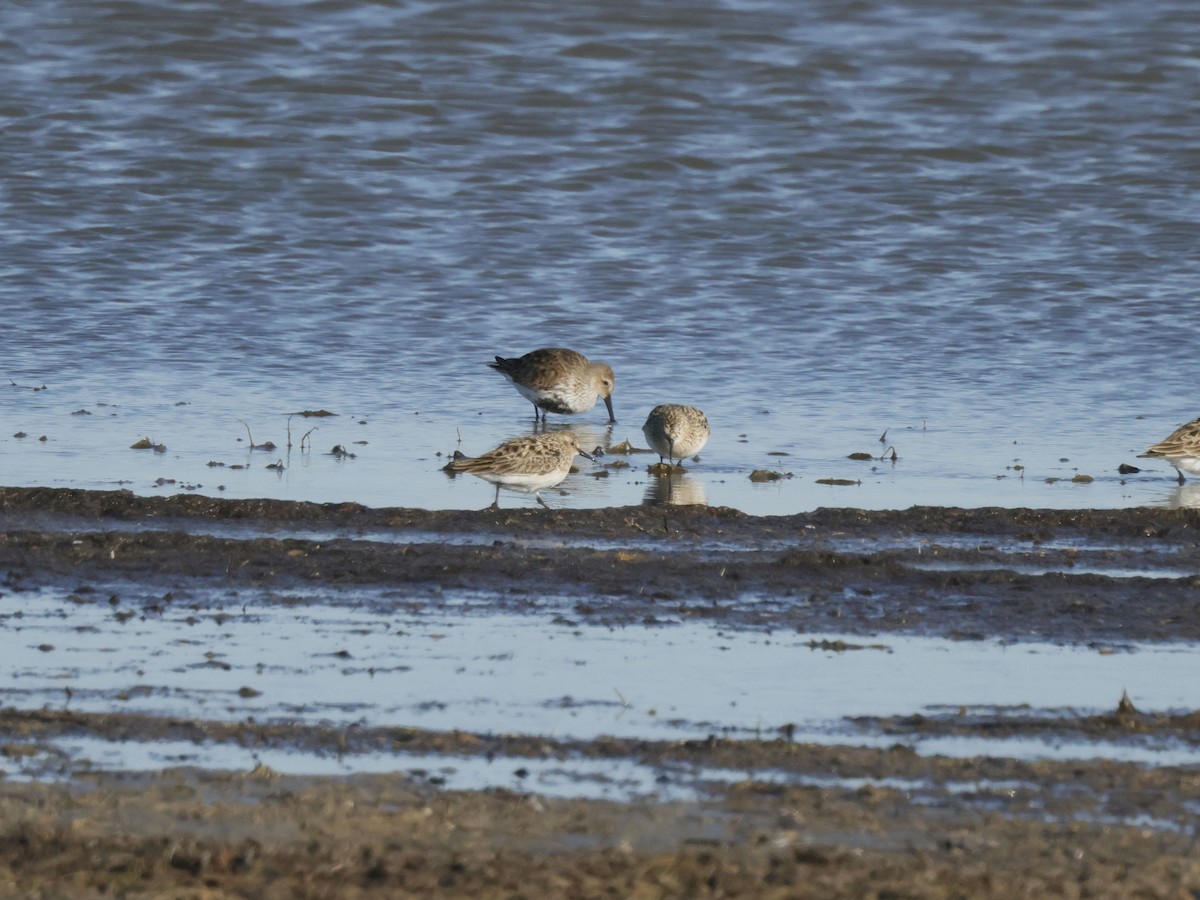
1181	448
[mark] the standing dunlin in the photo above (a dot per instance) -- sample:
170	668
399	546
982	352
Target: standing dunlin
1181	448
526	464
559	381
675	431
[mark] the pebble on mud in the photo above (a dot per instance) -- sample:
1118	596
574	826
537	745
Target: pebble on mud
626	447
761	475
665	468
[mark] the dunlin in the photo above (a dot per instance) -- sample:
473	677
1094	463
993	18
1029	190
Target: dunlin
1181	449
675	431
526	464
558	380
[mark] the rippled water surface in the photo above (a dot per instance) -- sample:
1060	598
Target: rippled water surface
974	226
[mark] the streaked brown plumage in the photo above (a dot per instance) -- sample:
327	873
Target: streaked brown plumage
526	464
1181	448
676	431
558	380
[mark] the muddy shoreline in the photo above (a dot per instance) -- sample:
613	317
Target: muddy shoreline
787	818
1013	574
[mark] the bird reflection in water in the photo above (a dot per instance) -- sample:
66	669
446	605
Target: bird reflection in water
676	489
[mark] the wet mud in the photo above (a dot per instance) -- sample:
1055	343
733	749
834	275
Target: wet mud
766	815
1014	574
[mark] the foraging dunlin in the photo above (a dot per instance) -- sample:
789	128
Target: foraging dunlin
526	464
558	380
675	431
1181	449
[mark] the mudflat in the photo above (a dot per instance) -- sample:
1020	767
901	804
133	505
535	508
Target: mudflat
738	814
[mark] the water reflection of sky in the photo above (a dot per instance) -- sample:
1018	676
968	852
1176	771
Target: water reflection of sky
449	669
396	459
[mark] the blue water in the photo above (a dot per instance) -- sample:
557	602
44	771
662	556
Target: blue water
972	226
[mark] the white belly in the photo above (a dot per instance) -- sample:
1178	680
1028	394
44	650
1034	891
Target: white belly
1189	464
557	401
526	484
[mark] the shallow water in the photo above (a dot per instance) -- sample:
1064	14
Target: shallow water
970	226
372	660
609	778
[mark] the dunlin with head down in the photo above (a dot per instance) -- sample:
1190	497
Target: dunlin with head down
560	381
676	431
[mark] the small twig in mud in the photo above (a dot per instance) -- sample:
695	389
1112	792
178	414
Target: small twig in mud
621	697
894	455
277	465
269	445
289	432
626	447
883	437
307	437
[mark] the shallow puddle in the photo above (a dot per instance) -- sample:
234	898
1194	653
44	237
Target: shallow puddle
451	664
610	779
1054	568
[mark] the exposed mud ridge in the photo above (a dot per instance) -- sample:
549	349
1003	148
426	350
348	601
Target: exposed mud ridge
25	729
1125	722
681	522
1016	574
